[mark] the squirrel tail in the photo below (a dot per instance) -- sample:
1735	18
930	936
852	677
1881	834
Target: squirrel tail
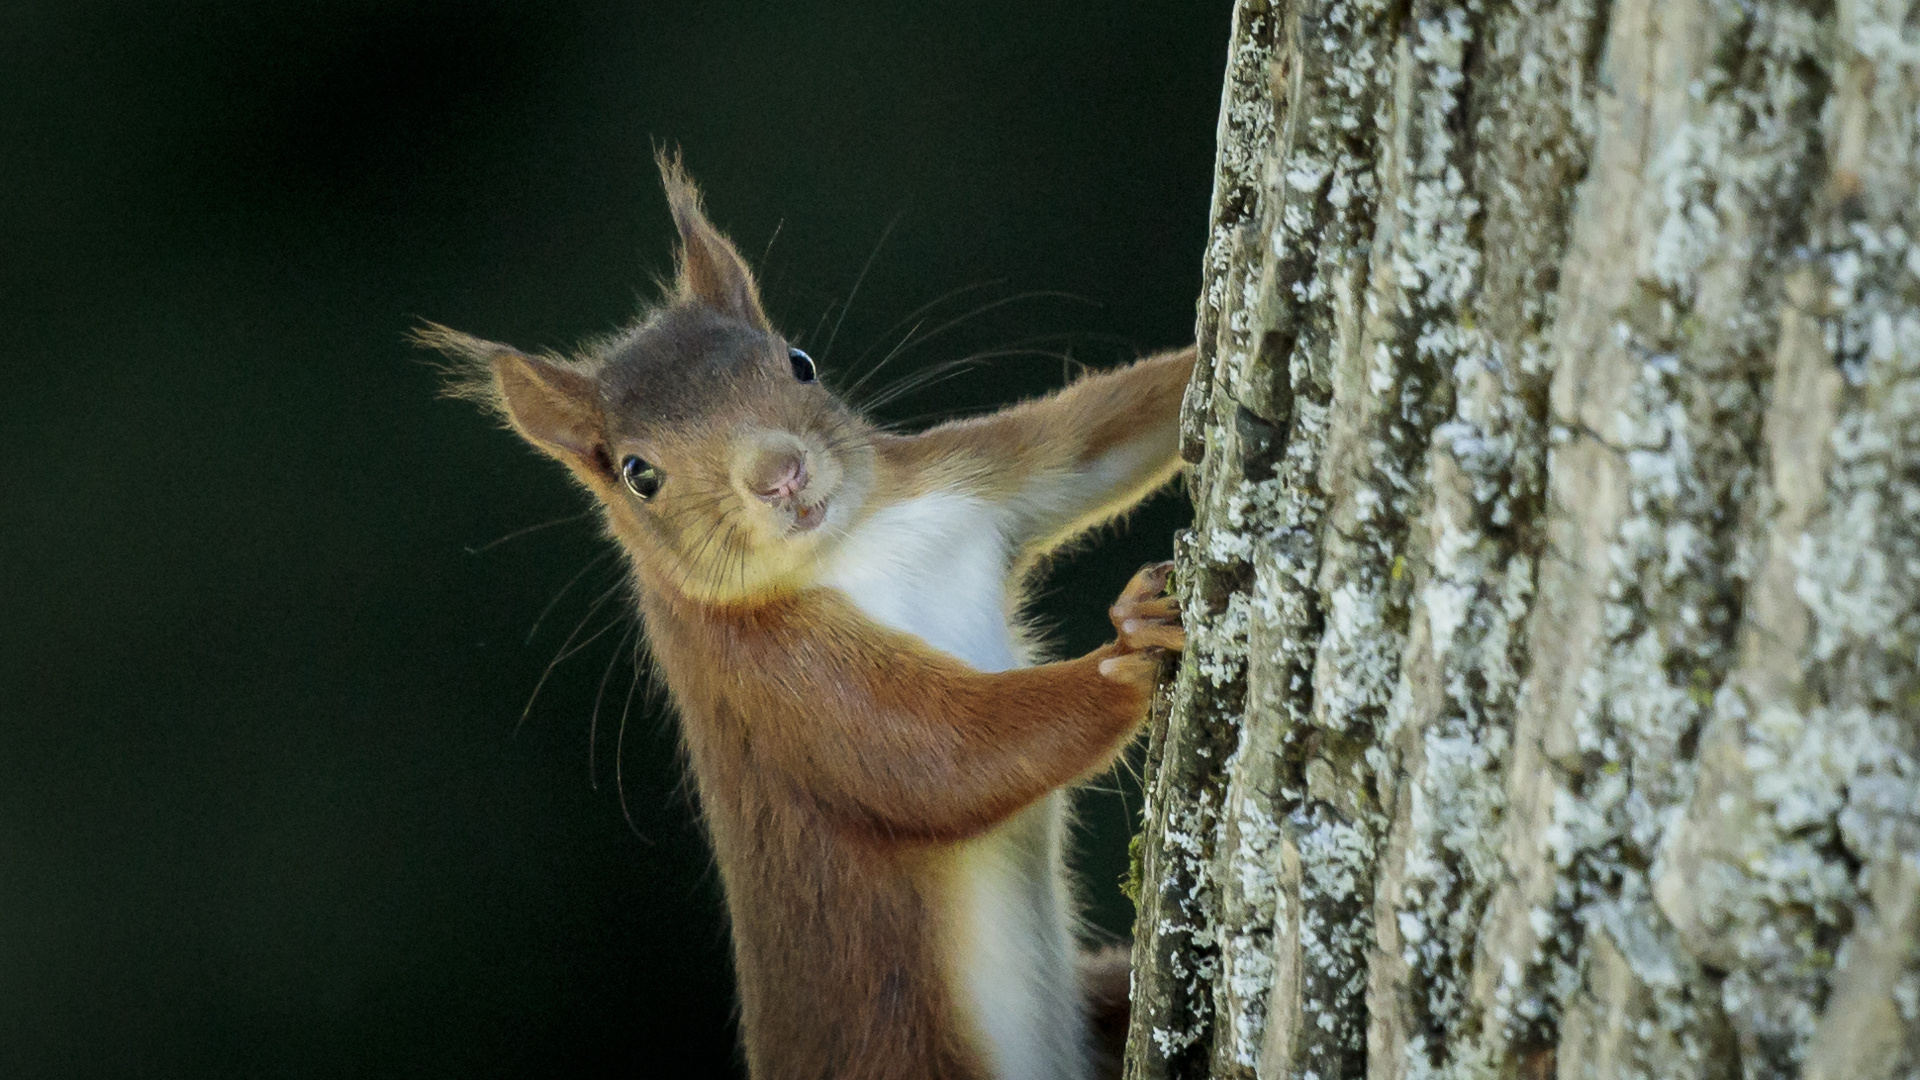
1103	986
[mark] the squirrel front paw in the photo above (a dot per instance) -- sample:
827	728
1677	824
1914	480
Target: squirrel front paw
1146	623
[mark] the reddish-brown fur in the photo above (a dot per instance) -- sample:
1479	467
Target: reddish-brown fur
838	762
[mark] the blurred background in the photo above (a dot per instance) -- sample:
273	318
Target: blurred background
267	803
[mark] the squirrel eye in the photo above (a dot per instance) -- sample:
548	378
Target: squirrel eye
642	479
803	368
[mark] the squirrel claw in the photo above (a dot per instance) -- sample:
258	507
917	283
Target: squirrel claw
1143	617
1147	627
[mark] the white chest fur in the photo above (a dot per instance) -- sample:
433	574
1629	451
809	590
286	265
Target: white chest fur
936	567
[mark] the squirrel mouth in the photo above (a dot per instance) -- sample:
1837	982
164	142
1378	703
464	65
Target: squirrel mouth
808	518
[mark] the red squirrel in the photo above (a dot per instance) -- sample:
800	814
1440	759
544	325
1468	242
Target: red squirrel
880	763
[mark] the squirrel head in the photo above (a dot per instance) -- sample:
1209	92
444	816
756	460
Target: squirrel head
722	464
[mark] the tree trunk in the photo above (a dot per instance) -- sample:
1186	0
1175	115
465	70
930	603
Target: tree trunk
1552	706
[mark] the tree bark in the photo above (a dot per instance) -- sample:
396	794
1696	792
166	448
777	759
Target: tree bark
1552	701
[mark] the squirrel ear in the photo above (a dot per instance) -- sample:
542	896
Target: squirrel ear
711	271
552	405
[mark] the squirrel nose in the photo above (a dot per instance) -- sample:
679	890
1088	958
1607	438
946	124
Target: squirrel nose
776	477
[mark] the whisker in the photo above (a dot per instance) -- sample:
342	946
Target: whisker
1037	294
827	350
1066	358
620	750
911	316
740	562
891	353
909	386
692	562
814	335
920	380
593	721
555	662
518	533
926	372
696	507
584	642
564	589
943	371
781	224
908	343
697	502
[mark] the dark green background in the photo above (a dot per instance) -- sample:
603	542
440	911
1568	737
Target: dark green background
263	807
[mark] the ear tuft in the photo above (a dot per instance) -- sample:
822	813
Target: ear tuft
711	271
467	364
553	404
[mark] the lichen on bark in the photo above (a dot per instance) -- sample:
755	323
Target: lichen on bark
1553	691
